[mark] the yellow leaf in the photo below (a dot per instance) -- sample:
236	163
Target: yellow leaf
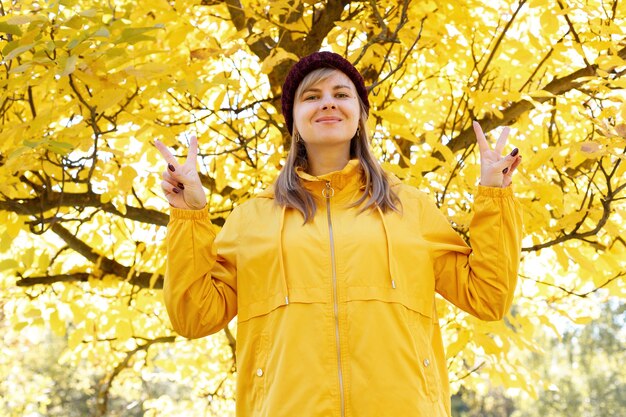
393	116
101	33
88	13
76	338
8	265
277	56
458	345
487	343
123	330
540	158
56	324
561	257
18	51
547	322
107	98
33	313
10	28
147	71
610	62
168	365
126	177
78	312
70	65
20	325
21	19
549	22
203	54
583	261
119	204
219	101
28	257
43	261
106	197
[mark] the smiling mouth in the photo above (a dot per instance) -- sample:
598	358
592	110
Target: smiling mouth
328	120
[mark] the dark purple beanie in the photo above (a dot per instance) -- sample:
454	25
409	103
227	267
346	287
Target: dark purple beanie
310	63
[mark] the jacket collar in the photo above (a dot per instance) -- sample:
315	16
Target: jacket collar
350	174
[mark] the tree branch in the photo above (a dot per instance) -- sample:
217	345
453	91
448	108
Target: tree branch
557	87
35	206
606	213
107	266
572	292
51	279
499	42
103	392
332	13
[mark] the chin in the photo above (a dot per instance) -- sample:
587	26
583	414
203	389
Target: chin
322	135
330	140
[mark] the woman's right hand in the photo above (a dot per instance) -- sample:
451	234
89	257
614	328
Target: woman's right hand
181	183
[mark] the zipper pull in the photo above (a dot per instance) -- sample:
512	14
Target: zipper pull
329	191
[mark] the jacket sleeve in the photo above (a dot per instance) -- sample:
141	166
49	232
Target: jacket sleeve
200	287
480	280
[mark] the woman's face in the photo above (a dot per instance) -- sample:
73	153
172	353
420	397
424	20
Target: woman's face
327	113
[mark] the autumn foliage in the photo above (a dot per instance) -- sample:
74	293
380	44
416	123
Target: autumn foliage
86	86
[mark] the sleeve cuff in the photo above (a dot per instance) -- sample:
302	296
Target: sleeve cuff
184	214
495	192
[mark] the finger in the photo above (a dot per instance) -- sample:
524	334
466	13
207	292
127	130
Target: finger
505	162
502	140
515	164
167	155
508	176
193	150
483	146
171	178
169	188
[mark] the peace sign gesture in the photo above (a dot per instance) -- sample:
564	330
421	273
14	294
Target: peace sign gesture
181	183
495	170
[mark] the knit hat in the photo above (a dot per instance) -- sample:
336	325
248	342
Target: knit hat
310	63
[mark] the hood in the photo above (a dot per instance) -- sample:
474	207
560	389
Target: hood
338	178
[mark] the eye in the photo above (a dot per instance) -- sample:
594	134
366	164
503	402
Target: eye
310	97
342	95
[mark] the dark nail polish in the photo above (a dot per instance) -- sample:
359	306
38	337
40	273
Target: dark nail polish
515	151
171	167
505	170
176	190
181	186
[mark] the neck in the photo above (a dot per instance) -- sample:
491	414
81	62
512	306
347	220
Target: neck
323	161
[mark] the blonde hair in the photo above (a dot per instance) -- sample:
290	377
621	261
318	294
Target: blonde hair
289	190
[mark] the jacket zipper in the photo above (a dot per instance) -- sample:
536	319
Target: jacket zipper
328	193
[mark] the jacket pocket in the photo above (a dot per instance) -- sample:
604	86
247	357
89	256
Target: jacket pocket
421	331
259	371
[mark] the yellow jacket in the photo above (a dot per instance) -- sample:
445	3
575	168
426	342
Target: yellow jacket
336	318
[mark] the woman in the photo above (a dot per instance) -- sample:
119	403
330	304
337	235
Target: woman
333	271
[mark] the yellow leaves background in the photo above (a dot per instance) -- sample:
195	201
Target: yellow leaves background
87	86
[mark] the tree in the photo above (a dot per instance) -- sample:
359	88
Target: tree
86	87
581	369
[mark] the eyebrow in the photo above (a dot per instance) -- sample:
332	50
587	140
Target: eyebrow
337	87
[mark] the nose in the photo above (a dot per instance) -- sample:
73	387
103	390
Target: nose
329	103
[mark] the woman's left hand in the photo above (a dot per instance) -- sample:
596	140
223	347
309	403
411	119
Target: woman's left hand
495	170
